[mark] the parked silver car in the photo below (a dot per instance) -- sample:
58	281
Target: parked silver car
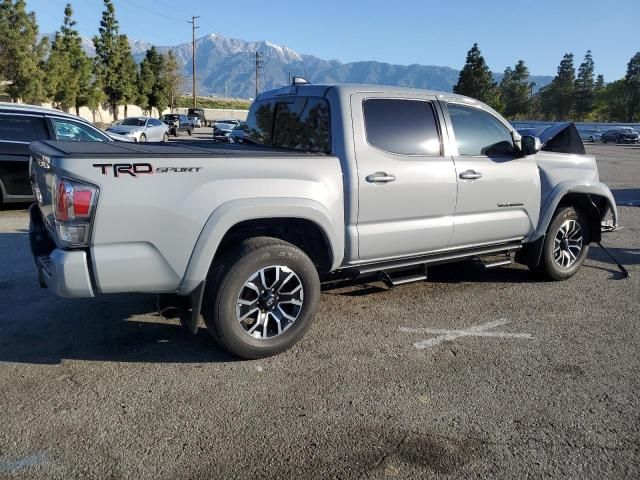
590	134
222	129
142	129
237	133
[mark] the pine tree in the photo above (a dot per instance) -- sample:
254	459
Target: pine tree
515	90
632	84
476	80
584	88
145	82
114	66
68	67
128	72
556	100
158	95
93	97
21	54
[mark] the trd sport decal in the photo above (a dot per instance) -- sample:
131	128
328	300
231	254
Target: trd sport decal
136	169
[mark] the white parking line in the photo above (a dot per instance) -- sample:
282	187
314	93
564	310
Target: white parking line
444	335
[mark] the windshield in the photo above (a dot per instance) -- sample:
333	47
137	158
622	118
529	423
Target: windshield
170	117
134	122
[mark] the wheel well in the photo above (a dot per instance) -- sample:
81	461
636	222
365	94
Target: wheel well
594	206
304	234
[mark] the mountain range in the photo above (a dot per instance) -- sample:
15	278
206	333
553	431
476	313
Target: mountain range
226	66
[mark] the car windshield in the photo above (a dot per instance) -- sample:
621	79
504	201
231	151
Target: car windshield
134	122
170	117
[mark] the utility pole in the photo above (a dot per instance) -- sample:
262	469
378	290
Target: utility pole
193	57
258	67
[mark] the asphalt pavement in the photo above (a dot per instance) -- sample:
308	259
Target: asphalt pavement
471	374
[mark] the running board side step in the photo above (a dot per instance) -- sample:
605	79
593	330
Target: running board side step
403	277
434	259
497	263
507	260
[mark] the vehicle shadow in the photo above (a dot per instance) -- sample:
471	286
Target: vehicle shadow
627	197
117	329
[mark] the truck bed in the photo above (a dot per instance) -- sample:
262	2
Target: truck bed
188	149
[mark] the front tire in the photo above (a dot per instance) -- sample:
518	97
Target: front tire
261	297
143	138
566	244
165	137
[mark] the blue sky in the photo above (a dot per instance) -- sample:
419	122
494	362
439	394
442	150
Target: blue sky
402	32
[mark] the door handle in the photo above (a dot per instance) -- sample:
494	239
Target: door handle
380	177
470	175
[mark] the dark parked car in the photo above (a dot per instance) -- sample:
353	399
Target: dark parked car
178	123
22	124
621	135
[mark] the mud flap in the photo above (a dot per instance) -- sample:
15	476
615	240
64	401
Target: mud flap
190	308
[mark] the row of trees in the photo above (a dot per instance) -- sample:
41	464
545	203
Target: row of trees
37	70
571	95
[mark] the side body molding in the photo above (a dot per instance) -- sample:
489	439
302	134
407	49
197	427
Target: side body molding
235	211
571	186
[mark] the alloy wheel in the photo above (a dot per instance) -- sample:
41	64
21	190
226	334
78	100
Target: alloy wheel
270	302
567	243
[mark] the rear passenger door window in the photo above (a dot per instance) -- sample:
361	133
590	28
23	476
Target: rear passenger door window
22	128
69	131
403	127
478	133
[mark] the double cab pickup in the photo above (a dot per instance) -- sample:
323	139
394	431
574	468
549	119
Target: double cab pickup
331	181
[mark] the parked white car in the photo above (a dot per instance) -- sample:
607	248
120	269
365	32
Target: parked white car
142	129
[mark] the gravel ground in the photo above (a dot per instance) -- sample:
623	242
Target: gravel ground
546	386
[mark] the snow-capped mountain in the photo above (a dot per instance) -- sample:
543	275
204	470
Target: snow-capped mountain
228	65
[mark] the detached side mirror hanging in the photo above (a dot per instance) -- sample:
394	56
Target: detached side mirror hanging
530	144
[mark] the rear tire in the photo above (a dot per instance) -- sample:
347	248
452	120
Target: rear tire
249	308
190	131
566	244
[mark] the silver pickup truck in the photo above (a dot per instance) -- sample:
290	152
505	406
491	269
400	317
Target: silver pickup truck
331	182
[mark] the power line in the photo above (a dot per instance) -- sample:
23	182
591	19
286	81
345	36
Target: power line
148	10
193	56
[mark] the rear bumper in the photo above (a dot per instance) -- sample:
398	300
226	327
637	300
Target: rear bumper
65	272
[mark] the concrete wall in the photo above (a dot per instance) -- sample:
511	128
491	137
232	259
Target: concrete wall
104	116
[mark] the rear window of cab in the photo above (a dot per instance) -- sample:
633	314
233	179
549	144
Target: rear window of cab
296	123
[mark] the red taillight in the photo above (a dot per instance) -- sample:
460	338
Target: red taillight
82	202
72	201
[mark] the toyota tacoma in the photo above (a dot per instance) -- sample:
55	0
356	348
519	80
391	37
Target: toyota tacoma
331	182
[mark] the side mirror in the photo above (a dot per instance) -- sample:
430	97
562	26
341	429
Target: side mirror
530	144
